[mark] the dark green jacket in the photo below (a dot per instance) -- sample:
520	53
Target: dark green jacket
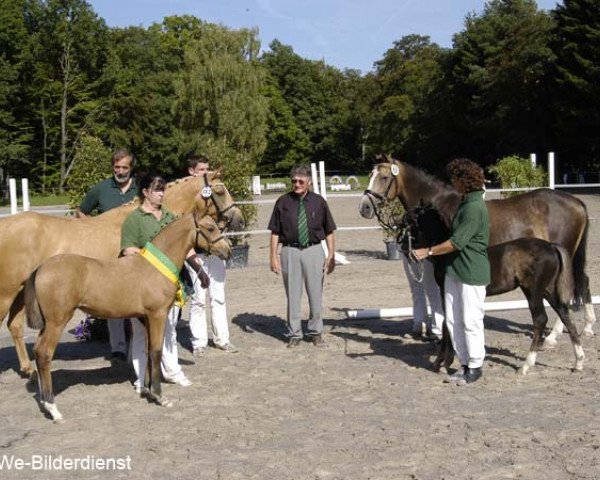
470	236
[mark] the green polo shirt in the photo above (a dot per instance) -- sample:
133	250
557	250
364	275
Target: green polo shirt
141	227
107	195
470	236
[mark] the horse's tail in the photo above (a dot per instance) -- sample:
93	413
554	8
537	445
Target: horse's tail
582	288
565	281
35	317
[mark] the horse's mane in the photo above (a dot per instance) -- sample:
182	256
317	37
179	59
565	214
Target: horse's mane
433	190
171	184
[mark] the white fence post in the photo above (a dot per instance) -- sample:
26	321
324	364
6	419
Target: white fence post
315	178
256	185
12	189
25	189
551	182
322	179
533	159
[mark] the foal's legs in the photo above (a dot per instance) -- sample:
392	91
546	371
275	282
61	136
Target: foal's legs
155	325
563	312
43	350
540	319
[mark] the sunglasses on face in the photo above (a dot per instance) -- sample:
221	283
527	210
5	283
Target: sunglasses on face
300	181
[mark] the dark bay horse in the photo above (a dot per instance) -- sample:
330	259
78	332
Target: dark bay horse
550	215
124	287
29	238
542	270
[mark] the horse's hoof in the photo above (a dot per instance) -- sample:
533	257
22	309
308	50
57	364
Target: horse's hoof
587	332
521	372
165	402
58	421
442	370
27	372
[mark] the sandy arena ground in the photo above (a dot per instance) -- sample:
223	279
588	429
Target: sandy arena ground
368	407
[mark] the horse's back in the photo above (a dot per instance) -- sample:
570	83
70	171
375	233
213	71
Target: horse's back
551	215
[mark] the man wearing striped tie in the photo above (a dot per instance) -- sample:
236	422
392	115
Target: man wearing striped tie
300	220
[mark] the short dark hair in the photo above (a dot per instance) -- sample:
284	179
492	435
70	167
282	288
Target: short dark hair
120	154
469	174
150	181
300	169
194	159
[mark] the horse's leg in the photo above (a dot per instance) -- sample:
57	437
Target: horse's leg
563	312
43	350
16	319
540	319
551	340
445	354
588	312
155	325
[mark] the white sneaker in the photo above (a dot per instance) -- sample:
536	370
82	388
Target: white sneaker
182	381
199	352
228	348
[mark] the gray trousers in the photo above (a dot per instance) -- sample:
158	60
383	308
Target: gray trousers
303	268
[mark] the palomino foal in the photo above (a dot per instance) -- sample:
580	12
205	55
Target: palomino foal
124	287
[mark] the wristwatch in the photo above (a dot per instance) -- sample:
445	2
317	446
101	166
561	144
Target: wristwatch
430	252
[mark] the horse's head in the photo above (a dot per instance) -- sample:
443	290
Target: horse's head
422	226
209	237
215	200
383	186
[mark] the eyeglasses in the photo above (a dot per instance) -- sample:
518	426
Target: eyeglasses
299	181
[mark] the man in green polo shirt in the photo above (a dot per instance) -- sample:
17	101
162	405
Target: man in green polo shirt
111	193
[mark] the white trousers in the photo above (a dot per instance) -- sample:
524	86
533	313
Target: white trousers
464	317
215	268
116	335
421	293
171	370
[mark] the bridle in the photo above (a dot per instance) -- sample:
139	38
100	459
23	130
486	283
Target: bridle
200	232
382	198
406	233
221	217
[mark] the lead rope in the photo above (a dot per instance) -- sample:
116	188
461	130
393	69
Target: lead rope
420	269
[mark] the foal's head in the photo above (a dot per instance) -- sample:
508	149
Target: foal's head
209	238
422	226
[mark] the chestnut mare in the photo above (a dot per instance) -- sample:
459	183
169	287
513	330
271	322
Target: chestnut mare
542	270
27	239
113	288
550	215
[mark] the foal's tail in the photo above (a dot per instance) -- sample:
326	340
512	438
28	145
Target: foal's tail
35	317
565	281
582	286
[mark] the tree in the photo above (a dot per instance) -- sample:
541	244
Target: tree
15	133
69	45
500	68
218	93
577	48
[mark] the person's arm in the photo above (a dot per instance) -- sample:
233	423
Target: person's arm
439	249
88	204
329	265
275	263
195	264
129	237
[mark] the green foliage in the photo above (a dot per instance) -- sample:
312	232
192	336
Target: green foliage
390	216
518	172
577	47
91	164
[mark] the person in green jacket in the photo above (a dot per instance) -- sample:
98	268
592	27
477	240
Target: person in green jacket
467	271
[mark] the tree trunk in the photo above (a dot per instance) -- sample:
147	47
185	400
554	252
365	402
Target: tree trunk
65	64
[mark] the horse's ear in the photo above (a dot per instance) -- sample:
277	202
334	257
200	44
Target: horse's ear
218	173
381	158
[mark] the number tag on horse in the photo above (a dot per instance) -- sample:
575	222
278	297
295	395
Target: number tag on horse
206	192
395	170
